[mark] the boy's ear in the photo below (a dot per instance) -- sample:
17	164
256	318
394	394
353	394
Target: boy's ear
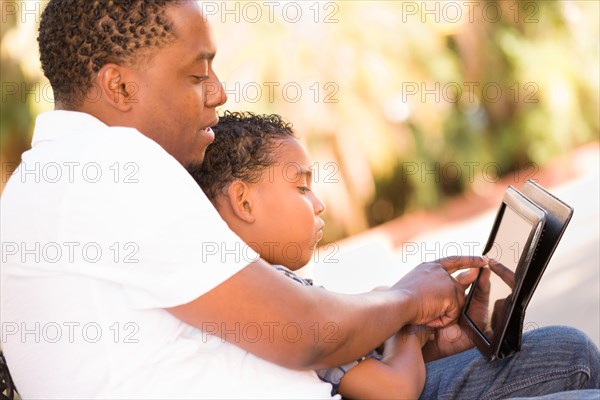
241	201
113	86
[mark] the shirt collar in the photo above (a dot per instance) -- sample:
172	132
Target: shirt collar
53	125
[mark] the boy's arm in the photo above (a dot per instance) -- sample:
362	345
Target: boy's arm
399	375
309	328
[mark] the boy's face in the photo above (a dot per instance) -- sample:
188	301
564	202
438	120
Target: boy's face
287	225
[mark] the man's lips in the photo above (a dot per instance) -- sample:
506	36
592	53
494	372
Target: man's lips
207	133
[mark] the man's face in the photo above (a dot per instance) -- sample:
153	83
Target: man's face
177	91
287	226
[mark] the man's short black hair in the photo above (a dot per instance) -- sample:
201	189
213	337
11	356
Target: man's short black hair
78	37
245	144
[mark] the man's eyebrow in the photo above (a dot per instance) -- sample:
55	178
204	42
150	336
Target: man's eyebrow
199	60
205	55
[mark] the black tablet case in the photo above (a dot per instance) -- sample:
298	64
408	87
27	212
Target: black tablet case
527	275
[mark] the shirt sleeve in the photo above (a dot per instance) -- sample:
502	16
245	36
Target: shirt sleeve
160	238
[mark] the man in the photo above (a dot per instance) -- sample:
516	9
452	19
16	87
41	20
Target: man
119	280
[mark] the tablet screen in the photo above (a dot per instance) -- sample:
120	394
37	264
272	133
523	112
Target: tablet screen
507	248
519	247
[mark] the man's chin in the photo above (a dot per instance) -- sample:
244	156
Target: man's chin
194	166
196	162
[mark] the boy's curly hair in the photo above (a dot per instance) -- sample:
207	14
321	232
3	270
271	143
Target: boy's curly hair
78	37
244	146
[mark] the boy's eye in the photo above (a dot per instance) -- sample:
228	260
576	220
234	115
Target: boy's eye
303	189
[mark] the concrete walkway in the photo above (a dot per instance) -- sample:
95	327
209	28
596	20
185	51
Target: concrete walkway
568	294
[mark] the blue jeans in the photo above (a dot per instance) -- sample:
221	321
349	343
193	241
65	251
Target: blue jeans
552	360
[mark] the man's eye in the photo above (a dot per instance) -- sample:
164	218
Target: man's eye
199	78
303	189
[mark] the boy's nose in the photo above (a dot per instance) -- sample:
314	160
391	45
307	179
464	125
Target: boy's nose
319	206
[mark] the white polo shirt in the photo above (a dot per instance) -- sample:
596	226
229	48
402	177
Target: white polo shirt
101	229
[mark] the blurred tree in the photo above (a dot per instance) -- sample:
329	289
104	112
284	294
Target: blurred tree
24	92
402	103
15	117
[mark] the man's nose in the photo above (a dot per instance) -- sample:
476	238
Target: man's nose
214	93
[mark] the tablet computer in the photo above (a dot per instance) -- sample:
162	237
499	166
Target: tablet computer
527	228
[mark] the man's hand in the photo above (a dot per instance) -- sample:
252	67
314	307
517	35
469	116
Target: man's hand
438	297
422	332
503	272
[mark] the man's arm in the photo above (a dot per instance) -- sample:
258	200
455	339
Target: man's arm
303	327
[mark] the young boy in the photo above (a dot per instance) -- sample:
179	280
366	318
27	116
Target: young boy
258	176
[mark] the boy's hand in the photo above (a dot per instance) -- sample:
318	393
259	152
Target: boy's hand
453	339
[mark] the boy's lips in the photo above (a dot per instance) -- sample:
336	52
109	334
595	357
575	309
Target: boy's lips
319	235
320	232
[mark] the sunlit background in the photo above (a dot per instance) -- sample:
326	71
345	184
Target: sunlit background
416	113
402	104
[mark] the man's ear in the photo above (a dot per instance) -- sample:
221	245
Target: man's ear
114	88
241	200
